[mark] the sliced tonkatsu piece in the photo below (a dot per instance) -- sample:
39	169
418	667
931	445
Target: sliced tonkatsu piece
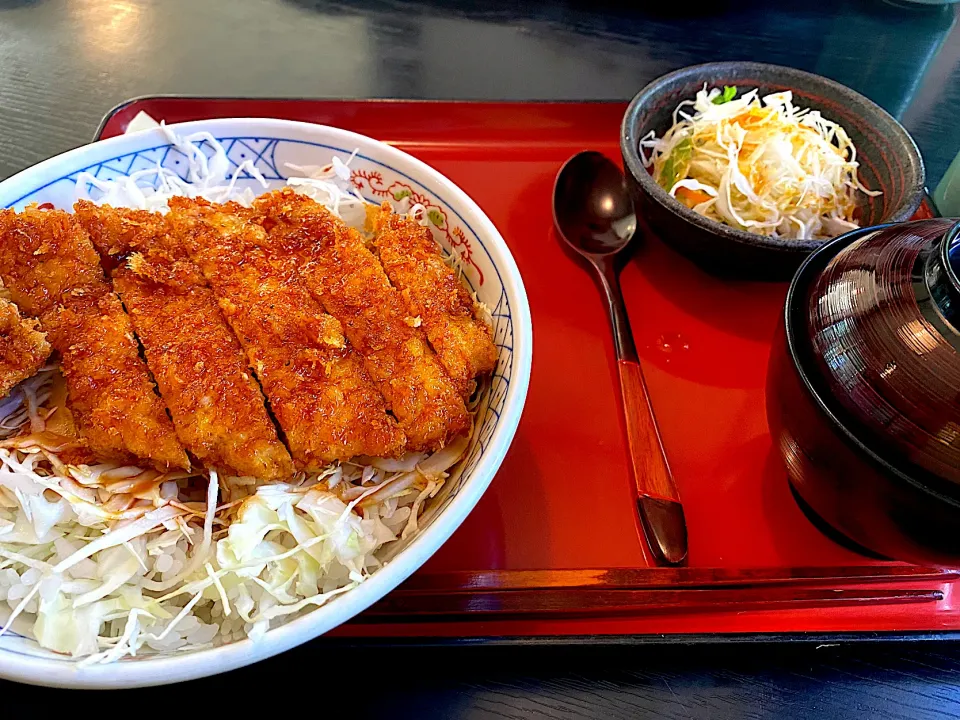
320	394
432	292
52	271
110	393
344	275
45	256
217	407
23	348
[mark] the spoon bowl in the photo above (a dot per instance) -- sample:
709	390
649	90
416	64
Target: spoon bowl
592	207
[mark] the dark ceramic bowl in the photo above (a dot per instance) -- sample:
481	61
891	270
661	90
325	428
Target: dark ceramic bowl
889	161
857	443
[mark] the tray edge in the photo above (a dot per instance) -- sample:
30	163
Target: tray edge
282	98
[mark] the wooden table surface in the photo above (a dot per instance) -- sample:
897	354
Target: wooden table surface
64	63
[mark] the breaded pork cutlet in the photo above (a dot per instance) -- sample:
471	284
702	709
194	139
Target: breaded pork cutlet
217	407
344	275
432	291
45	257
320	394
23	348
52	271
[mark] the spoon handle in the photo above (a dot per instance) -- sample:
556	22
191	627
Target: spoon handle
658	502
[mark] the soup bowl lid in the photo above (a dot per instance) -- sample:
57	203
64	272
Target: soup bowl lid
883	322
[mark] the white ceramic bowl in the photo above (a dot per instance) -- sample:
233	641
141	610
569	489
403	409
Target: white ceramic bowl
379	172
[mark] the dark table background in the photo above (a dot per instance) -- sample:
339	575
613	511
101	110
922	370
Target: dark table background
64	63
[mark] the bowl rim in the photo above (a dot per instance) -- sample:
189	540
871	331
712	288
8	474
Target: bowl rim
629	148
152	671
794	339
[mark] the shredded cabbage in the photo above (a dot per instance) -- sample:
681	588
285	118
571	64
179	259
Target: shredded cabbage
764	166
104	562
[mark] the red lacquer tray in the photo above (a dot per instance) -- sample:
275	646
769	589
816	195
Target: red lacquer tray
563	497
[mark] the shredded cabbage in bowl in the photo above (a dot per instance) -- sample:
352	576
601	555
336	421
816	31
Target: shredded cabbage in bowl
760	165
104	562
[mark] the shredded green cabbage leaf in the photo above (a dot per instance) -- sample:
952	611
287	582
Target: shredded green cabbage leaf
762	165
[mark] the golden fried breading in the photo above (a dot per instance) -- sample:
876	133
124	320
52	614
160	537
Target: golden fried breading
323	399
44	254
23	348
51	269
111	396
117	233
411	258
345	276
217	407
